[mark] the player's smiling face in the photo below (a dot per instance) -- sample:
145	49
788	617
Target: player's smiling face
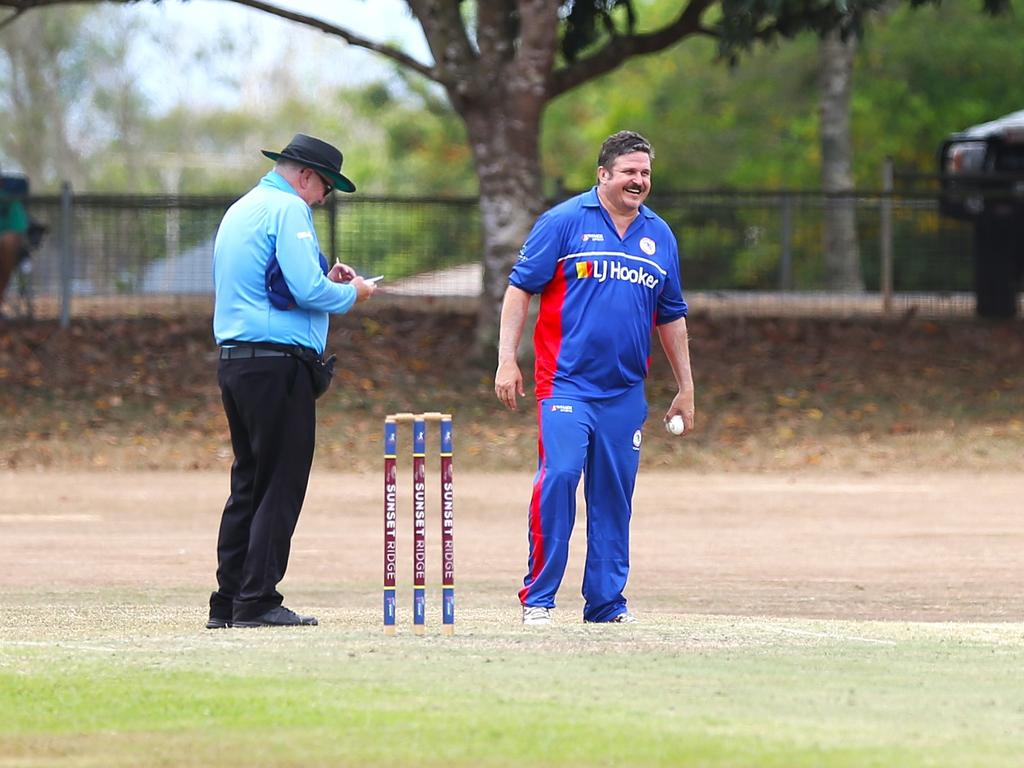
627	183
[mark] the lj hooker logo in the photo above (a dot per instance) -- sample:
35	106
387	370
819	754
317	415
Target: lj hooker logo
612	270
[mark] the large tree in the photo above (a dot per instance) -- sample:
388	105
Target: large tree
501	62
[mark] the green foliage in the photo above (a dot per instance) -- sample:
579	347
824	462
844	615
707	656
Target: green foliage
398	136
42	73
711	125
920	74
421	145
924	73
401	238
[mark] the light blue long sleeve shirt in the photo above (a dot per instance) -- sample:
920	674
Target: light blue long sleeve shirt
272	220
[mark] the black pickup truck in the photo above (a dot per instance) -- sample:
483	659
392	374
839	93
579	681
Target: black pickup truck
981	172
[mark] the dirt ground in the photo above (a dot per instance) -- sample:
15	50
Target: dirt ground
908	546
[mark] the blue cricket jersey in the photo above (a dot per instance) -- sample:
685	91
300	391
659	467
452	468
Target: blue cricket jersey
600	296
272	221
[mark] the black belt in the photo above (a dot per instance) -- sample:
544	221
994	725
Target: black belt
247	353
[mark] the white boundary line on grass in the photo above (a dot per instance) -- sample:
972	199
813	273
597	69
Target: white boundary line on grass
829	635
71	646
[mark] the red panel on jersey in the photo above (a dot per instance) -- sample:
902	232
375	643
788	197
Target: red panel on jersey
547	337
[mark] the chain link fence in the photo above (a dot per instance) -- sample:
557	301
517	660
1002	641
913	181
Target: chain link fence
753	252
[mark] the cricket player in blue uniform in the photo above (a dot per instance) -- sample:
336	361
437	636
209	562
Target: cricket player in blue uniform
607	271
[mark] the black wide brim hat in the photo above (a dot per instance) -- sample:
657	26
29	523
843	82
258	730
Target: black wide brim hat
318	155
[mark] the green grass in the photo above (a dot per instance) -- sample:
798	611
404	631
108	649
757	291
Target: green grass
148	688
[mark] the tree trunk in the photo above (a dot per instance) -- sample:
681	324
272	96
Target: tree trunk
835	77
507	159
500	93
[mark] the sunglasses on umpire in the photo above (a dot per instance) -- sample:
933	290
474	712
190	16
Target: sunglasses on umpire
328	187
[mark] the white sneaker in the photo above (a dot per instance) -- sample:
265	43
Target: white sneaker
536	616
622	618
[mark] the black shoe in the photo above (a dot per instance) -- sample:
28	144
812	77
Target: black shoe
217	623
279	617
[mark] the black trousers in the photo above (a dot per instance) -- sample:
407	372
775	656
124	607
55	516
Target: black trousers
271	411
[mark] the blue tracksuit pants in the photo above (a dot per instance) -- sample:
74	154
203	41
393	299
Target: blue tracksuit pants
599	439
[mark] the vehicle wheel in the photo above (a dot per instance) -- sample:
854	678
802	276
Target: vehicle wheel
997	241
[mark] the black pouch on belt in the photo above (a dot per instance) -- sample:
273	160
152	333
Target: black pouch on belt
321	371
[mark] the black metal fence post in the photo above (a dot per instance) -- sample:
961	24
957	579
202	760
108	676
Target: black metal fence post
885	236
332	227
67	264
786	245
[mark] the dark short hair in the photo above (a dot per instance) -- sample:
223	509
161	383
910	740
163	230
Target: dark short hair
622	143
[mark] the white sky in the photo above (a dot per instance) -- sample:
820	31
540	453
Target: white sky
172	74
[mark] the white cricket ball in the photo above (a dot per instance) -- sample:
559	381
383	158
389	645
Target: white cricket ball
675	425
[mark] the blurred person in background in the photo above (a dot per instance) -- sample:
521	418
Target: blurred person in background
14	224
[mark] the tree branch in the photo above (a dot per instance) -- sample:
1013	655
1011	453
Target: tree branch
20	6
443	27
12	17
390	52
620	48
395	54
455	60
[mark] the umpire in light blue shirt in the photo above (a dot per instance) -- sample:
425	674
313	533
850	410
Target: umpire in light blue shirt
274	293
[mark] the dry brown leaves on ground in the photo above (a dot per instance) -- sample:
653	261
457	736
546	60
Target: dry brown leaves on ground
793	393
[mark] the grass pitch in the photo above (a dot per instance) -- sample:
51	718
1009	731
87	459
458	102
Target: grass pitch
111	667
142	684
